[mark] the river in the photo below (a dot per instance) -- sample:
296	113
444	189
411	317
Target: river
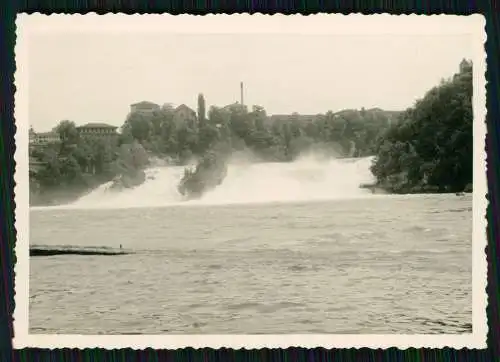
366	264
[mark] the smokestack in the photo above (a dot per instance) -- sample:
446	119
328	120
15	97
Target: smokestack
241	87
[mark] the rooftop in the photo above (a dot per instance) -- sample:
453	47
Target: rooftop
235	104
145	104
183	106
51	133
97	125
298	117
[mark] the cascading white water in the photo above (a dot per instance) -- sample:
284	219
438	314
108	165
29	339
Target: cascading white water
160	188
306	179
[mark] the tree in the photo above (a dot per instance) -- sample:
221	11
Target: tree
201	109
138	126
208	136
67	132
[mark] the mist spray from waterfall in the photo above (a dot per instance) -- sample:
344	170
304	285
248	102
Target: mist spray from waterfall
307	179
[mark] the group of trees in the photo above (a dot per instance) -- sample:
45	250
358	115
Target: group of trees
430	148
211	139
77	164
348	132
65	164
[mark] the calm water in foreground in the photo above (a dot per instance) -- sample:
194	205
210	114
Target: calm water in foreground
375	265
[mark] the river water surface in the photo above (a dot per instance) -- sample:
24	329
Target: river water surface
370	265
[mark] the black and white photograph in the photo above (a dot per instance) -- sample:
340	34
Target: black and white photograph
250	175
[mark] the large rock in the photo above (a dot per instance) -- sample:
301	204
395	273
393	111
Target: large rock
128	180
130	165
208	174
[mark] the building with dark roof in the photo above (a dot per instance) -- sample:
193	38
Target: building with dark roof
43	138
235	107
97	129
144	107
300	118
184	115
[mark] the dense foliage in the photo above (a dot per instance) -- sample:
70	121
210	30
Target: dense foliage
430	148
349	132
77	164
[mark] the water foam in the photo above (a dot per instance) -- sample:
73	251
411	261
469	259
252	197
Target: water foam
303	180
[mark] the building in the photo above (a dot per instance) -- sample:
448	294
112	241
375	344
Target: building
464	65
144	107
184	115
97	130
43	138
294	117
235	107
38	142
167	107
32	136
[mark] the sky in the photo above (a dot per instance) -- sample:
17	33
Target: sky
94	77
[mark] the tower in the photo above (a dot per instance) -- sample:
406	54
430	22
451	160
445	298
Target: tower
241	89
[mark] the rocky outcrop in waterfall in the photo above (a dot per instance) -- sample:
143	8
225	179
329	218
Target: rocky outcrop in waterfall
208	174
131	162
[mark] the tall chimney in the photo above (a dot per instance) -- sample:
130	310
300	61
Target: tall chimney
241	87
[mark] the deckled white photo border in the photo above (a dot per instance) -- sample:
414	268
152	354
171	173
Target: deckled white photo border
244	23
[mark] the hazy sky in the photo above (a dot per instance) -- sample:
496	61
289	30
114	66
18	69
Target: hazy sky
95	77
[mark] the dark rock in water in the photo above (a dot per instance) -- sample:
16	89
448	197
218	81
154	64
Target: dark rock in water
208	174
130	165
374	188
70	250
129	180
